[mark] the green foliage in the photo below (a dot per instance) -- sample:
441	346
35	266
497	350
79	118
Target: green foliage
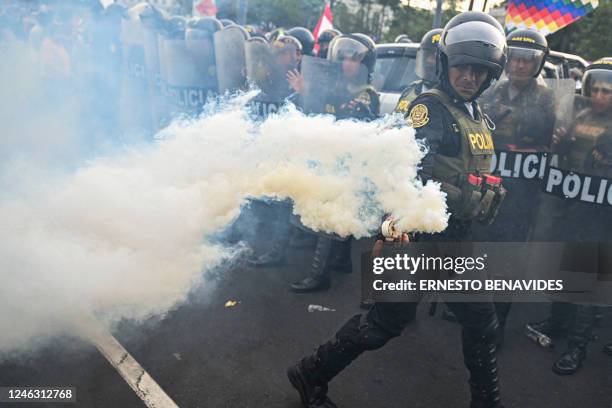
372	18
589	37
276	13
416	22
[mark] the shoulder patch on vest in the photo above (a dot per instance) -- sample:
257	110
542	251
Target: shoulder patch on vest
365	98
419	116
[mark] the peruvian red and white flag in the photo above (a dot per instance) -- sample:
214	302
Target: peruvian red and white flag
326	22
204	8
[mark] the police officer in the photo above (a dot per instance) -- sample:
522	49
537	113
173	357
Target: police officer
403	38
325	38
586	148
425	69
521	107
305	37
523	110
270	73
472	52
351	96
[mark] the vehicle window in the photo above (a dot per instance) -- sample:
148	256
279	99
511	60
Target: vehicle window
392	74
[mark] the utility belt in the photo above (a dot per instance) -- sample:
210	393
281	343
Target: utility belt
477	197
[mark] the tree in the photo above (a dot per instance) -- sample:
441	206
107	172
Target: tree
276	13
416	22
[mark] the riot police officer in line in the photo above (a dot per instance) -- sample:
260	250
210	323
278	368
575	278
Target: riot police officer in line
523	111
585	148
269	72
425	69
325	38
472	52
403	38
351	96
305	37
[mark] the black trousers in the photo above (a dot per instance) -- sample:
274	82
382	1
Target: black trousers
372	330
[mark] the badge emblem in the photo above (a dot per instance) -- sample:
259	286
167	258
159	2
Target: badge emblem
419	116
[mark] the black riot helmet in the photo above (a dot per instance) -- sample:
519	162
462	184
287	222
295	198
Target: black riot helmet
473	38
426	56
357	47
366	38
328	35
402	38
204	27
175	27
305	37
254	31
527	51
273	35
287	50
150	16
227	22
599	73
324	39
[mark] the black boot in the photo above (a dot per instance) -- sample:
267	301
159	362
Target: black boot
312	394
302	239
312	374
340	259
608	349
319	278
484	382
479	353
276	254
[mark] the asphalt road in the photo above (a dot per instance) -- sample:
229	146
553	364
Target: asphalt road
206	355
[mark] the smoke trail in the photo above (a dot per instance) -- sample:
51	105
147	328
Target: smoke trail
127	236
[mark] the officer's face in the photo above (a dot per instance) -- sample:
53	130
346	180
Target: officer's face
467	79
521	68
350	67
601	96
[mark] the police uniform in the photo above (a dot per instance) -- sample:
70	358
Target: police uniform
579	222
524	122
408	95
454	152
365	100
345	98
424	69
460	149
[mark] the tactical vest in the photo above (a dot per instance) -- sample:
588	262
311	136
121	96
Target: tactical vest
476	145
468	196
587	132
509	128
405	100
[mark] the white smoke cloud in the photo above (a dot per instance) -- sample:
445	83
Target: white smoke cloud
128	235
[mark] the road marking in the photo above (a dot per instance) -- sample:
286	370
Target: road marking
137	378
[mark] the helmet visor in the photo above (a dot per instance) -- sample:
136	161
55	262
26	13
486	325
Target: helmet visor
523	62
426	64
476	42
346	48
597	81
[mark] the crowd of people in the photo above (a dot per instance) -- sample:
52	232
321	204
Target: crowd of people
479	93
